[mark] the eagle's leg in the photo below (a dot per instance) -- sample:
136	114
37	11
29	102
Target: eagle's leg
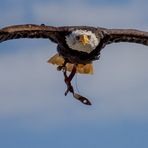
70	87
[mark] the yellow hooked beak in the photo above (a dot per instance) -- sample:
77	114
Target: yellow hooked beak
84	39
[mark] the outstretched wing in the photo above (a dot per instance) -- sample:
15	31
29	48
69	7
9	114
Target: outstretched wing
127	35
29	31
53	33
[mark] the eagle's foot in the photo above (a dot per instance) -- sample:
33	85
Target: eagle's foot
59	68
68	80
63	67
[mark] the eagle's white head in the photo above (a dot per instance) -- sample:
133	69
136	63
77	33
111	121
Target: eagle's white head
82	40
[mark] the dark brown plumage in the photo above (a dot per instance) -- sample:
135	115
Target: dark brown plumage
58	35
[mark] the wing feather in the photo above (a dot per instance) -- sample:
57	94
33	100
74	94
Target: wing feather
127	35
29	31
52	33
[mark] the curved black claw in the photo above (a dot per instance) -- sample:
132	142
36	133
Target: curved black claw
82	99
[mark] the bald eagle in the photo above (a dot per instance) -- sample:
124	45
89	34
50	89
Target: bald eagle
77	46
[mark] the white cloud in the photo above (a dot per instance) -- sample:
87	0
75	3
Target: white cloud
34	91
81	13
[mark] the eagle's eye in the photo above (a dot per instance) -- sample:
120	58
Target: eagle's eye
78	37
88	36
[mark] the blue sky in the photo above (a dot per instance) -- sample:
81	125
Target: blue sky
33	109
